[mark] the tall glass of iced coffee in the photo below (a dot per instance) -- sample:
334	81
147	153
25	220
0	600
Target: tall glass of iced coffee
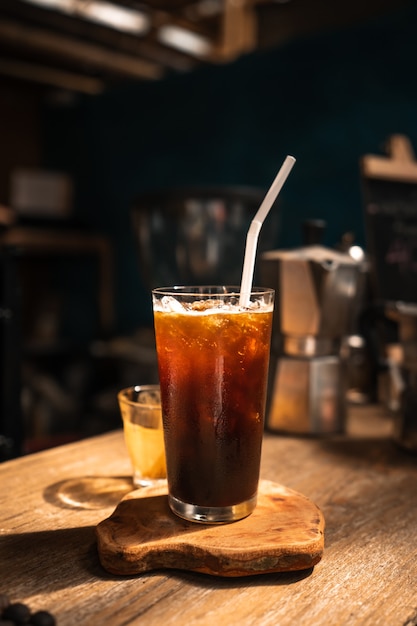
213	357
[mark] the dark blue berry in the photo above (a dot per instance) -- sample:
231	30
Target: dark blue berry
42	618
17	612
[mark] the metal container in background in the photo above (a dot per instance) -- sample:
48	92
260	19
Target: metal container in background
197	235
316	291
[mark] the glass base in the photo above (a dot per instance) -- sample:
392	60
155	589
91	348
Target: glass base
212	514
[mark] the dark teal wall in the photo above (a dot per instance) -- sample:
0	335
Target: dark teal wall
327	100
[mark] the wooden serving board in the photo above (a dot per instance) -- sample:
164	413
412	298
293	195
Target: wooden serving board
284	533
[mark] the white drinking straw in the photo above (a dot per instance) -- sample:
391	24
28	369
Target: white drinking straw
255	227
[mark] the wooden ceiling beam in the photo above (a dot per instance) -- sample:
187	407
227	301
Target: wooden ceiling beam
239	30
53	77
88	54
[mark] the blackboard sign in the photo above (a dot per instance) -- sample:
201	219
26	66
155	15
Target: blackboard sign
390	202
391	228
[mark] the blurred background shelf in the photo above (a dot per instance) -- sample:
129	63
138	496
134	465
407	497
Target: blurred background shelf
123	114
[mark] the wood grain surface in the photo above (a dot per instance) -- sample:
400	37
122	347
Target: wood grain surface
366	487
284	533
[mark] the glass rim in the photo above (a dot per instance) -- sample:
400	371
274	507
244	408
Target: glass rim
208	290
123	397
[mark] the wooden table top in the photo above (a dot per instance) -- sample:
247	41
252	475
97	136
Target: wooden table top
366	487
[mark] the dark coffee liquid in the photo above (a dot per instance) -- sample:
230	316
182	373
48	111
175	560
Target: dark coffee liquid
213	377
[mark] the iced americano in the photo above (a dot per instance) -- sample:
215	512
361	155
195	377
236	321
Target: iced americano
213	360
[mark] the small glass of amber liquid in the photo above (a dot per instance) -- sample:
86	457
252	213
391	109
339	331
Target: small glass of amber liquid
140	408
